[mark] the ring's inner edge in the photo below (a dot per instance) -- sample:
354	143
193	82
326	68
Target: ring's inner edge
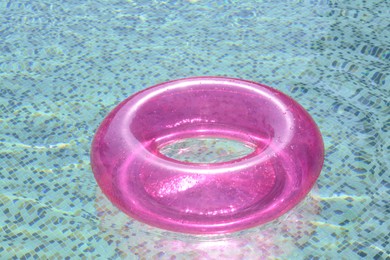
212	111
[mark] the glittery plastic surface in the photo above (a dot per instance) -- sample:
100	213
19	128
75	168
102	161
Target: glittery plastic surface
205	198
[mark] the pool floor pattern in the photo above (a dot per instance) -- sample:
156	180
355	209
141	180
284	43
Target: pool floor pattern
64	65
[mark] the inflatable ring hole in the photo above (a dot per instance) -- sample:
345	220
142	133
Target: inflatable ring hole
206	150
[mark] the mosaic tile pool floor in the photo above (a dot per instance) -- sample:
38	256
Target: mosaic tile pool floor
65	64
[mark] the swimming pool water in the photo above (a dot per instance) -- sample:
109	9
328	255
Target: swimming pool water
65	65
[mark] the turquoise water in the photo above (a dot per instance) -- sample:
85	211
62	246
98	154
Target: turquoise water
65	65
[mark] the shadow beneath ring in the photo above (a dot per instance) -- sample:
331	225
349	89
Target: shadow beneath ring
280	238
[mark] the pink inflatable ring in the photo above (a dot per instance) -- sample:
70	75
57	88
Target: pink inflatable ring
210	197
